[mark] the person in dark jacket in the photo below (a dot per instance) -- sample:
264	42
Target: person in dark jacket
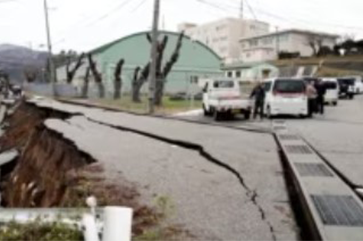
259	94
321	90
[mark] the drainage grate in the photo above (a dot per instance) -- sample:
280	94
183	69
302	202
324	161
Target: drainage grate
298	149
339	210
313	170
288	137
276	128
279	122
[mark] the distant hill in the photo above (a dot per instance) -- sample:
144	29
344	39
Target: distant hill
14	59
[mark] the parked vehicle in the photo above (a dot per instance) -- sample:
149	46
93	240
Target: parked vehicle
346	87
285	96
223	96
332	90
358	85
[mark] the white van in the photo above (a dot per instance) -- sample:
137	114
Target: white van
358	83
285	96
223	96
332	90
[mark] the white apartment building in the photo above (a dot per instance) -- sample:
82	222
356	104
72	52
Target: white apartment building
223	36
267	46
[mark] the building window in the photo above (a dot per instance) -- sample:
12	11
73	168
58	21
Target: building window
238	74
284	38
229	74
253	42
267	40
221	27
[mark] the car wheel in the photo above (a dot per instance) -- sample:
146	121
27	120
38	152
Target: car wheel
268	112
351	96
335	103
216	115
247	114
205	111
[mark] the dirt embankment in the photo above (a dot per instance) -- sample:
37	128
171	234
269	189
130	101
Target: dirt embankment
51	172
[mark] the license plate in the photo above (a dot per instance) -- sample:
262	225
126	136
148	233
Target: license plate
235	111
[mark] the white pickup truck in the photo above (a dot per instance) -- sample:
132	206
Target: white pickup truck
223	97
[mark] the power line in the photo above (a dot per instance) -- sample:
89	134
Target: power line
104	16
292	20
213	5
251	10
138	6
99	19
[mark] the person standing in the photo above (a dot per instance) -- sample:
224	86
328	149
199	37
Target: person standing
312	95
320	100
259	94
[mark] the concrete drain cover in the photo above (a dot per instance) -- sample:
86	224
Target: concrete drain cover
339	210
277	128
288	137
298	149
313	170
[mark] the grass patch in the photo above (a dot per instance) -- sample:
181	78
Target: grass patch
38	230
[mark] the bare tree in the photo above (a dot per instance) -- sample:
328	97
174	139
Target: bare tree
97	76
71	72
86	83
315	42
161	72
138	81
118	79
166	70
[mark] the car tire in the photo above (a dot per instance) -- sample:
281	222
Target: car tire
335	103
205	111
268	112
247	114
351	96
216	115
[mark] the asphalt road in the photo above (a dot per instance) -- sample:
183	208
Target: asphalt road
225	184
337	135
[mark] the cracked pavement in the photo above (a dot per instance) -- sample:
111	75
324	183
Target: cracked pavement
197	166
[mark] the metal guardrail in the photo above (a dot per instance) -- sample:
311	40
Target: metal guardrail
333	210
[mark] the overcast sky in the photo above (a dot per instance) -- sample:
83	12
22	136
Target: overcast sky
86	24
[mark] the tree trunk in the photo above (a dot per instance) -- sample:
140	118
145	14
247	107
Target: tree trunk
72	72
86	84
117	93
118	80
101	90
159	90
161	78
97	77
139	81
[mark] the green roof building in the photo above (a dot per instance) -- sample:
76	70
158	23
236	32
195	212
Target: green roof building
195	60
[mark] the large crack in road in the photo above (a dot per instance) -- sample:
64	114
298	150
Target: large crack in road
249	192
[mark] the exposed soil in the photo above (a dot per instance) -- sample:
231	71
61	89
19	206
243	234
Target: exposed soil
52	172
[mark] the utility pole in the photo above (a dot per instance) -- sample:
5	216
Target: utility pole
154	42
241	10
49	43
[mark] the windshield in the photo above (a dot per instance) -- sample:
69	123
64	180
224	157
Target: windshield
267	86
289	86
329	85
223	84
346	81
